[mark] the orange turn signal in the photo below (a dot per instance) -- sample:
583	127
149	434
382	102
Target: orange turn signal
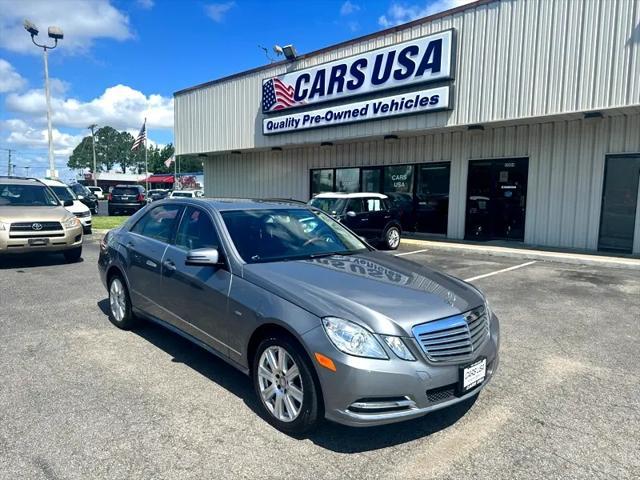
326	362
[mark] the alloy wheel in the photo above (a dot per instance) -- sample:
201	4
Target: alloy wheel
117	300
393	237
280	384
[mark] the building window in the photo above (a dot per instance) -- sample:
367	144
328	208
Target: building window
321	181
398	179
348	180
372	179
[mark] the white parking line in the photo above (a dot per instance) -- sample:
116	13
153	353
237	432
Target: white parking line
490	274
410	253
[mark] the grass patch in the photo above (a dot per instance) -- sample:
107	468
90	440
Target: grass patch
107	223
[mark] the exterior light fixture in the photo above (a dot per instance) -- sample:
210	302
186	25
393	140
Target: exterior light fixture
289	51
276	149
476	128
202	155
326	144
391	137
593	115
236	152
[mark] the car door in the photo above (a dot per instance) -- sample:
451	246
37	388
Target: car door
197	296
379	216
145	245
356	218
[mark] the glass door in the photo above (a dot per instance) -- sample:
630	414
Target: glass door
619	203
371	179
432	197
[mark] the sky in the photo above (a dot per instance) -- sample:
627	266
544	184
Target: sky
121	60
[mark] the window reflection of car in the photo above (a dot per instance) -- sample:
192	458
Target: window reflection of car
370	215
324	325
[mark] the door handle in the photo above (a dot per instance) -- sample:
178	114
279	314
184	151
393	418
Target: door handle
169	265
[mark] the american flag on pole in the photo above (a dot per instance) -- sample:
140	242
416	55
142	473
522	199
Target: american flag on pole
142	136
276	95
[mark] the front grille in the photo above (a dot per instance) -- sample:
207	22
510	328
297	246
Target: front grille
441	394
29	226
453	338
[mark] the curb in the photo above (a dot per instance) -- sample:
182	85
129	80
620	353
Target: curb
528	254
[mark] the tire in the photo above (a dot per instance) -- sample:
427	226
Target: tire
391	238
309	410
120	312
72	256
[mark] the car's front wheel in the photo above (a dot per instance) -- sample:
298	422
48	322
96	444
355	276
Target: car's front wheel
284	383
120	312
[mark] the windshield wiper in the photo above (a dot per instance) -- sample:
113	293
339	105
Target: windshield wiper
328	254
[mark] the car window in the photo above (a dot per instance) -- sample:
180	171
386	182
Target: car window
159	223
355	205
196	230
125	191
373	204
64	193
328	204
284	234
27	196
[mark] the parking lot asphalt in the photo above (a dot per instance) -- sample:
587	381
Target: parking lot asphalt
82	399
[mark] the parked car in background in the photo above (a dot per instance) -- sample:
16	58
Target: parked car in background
65	194
186	194
33	219
97	191
325	326
86	196
370	215
126	199
157	194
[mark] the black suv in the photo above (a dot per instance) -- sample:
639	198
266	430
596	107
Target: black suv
370	215
86	196
126	199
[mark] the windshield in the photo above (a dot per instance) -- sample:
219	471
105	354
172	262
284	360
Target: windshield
63	193
329	205
125	191
288	234
26	196
182	194
79	189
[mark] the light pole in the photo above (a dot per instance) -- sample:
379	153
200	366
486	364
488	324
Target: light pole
93	145
56	34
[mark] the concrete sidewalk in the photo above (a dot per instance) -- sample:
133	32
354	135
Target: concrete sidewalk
525	253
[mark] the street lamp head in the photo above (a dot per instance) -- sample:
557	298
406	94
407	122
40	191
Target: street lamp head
289	52
30	27
56	33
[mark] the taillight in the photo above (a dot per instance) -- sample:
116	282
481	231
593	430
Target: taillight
140	198
108	197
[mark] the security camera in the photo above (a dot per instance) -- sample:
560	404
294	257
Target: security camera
31	28
56	33
278	50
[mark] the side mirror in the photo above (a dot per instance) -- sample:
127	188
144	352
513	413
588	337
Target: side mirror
80	197
67	203
351	213
203	257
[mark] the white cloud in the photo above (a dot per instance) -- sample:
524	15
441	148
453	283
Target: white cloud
145	4
348	8
10	80
217	11
121	107
23	135
401	13
82	21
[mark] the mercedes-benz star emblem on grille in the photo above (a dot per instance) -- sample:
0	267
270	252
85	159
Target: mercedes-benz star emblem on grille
36	226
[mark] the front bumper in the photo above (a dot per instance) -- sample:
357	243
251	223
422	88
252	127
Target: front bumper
403	390
56	241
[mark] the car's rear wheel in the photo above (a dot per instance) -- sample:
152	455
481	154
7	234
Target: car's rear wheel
284	383
72	256
392	238
120	312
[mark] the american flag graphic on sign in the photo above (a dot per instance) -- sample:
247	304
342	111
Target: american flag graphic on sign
276	95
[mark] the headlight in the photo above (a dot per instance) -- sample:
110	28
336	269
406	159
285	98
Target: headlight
70	222
397	346
352	339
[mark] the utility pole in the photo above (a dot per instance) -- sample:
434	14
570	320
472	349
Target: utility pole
27	170
9	151
93	144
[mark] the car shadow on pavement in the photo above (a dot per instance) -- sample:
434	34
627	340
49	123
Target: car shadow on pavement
31	260
334	437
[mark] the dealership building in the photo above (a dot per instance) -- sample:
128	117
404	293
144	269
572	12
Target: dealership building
499	120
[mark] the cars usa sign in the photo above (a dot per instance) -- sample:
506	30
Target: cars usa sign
421	60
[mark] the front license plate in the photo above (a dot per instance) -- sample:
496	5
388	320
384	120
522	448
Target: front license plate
473	375
34	242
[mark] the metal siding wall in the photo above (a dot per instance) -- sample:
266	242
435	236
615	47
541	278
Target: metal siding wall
566	171
515	59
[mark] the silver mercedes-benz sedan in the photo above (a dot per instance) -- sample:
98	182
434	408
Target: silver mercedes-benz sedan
325	325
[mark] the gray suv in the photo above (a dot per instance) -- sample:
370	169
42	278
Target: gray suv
325	326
